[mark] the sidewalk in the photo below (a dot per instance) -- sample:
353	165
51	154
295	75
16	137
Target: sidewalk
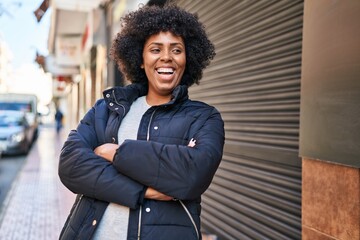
37	204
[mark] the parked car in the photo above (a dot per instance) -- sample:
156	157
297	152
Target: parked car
27	103
16	134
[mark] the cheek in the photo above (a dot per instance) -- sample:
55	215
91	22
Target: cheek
183	62
148	73
147	65
149	61
183	66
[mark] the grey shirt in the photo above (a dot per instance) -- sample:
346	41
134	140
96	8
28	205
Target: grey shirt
114	223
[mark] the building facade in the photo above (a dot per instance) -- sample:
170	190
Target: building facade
286	81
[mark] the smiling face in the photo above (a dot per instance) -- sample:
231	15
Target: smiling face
164	62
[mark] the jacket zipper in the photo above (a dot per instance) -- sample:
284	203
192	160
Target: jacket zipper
139	225
147	139
113	93
182	204
148	130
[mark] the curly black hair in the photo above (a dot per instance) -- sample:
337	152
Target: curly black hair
138	26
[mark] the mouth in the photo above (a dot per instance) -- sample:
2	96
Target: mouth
165	71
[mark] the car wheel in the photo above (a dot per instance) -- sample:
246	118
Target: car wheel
26	148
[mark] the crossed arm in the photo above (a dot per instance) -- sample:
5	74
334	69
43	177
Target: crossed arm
108	150
167	171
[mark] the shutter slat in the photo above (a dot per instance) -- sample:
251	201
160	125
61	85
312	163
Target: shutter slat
254	81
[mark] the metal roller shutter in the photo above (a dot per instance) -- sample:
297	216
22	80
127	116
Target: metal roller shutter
254	82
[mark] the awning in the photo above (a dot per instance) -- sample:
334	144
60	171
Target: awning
70	17
40	11
56	70
78	5
70	34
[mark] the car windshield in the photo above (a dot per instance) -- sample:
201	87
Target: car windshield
8	121
17	106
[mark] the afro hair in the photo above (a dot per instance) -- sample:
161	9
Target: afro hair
138	26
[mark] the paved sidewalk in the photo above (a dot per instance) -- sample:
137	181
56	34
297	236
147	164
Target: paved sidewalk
37	204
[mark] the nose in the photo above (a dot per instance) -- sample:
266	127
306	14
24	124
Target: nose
166	56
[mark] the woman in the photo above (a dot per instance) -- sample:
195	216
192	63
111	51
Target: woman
141	157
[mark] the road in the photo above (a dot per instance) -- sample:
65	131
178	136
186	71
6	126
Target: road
9	168
38	203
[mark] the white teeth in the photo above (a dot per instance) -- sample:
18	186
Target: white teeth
165	70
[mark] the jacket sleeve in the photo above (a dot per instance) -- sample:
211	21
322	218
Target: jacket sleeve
83	172
179	171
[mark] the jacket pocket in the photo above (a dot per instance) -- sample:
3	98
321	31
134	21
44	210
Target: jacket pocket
191	219
169	220
173	232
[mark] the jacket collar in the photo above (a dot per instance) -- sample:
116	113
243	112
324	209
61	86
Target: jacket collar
121	98
179	94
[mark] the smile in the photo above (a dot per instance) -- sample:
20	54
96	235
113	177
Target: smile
166	71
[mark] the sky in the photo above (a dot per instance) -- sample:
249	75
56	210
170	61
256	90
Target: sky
25	36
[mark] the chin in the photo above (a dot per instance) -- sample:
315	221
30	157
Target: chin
166	87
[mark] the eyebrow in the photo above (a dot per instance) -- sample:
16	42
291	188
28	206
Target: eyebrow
171	44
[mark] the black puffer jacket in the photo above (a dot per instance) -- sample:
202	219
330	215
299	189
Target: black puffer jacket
159	158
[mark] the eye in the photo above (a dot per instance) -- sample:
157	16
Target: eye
155	50
177	50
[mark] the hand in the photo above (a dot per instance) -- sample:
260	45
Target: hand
107	151
156	195
192	143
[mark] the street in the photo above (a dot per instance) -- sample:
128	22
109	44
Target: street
37	204
9	167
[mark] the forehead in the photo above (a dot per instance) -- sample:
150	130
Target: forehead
164	38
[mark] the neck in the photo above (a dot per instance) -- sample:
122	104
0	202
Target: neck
154	100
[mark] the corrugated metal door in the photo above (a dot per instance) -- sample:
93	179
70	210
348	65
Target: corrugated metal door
255	83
